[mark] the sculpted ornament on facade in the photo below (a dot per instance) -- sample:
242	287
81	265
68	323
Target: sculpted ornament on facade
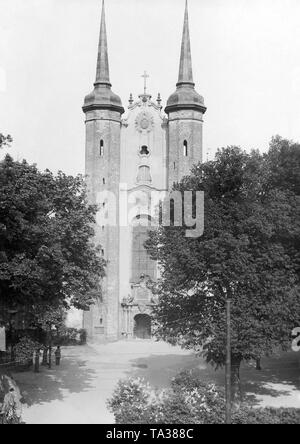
143	308
129	300
125	123
144	122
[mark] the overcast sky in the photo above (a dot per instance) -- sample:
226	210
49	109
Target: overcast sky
246	59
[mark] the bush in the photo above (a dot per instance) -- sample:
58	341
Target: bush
267	416
70	336
131	402
188	401
24	350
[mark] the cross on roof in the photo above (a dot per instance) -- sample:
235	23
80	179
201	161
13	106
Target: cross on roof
145	76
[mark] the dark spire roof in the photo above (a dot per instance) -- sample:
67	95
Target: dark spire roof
185	68
185	96
102	97
102	74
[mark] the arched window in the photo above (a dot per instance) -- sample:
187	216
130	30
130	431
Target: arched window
142	264
101	148
185	149
103	181
144	174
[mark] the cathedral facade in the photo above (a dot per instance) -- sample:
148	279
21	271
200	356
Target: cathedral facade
130	157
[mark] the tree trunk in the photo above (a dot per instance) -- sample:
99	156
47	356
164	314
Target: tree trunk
236	392
37	361
45	356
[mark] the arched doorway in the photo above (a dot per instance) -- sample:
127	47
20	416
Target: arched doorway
142	326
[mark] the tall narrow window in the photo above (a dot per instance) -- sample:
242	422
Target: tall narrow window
185	149
103	181
142	264
101	148
144	174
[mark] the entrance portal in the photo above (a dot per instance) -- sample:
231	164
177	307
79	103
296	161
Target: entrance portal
142	326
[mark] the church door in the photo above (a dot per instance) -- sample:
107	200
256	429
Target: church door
142	326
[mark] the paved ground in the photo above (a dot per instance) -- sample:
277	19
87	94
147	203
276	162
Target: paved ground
76	392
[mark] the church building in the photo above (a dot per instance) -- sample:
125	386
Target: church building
129	156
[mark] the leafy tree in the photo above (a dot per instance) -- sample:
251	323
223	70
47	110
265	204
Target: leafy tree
283	166
5	140
283	162
47	257
247	253
47	317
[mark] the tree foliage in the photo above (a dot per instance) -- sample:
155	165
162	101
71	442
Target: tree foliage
5	140
249	253
24	350
47	257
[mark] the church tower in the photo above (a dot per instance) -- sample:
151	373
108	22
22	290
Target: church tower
103	110
185	109
135	159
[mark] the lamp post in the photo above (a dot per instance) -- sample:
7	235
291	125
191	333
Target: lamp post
228	361
12	314
51	329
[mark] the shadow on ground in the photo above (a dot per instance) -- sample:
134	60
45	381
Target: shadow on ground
73	376
88	375
279	376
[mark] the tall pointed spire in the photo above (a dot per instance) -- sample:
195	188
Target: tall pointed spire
185	69
102	74
185	96
102	97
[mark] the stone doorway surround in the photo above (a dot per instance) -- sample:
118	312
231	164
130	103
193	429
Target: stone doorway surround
135	308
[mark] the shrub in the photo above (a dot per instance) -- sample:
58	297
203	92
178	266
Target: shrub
266	416
130	402
188	401
24	350
70	336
